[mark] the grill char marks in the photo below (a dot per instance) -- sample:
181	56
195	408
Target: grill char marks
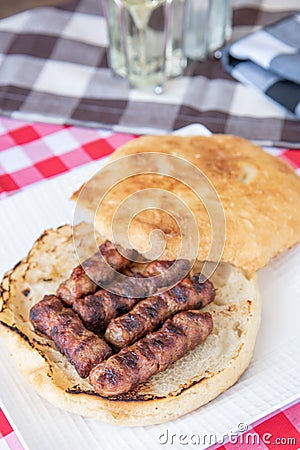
152	354
134	286
128	319
155	276
161	274
82	348
169	272
98	309
148	314
43	313
79	284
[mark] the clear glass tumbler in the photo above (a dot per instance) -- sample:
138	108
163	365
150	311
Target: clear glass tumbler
208	26
146	39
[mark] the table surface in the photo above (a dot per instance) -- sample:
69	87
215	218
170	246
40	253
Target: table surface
31	153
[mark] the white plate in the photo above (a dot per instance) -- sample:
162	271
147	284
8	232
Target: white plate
271	381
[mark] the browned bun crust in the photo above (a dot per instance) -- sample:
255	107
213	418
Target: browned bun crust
194	380
260	195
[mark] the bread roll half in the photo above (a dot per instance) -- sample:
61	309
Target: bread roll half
259	194
194	380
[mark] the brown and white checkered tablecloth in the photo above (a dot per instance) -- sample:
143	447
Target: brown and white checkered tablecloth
53	67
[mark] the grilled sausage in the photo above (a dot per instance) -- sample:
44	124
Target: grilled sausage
169	272
152	354
82	348
97	310
190	293
155	276
132	286
84	278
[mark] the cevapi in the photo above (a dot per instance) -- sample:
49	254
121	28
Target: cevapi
152	354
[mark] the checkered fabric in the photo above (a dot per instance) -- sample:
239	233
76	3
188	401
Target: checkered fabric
8	437
54	68
33	152
269	59
279	430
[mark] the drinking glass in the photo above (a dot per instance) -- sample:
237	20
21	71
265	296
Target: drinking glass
146	40
208	26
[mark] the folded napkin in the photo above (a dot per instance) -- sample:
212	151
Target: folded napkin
269	59
53	67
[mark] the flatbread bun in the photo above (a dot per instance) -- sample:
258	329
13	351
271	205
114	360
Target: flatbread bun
259	193
192	381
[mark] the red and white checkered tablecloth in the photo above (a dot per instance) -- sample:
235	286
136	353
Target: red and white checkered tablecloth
279	430
8	438
33	152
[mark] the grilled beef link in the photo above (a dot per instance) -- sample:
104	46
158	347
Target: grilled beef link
166	273
156	275
148	314
82	348
80	284
97	310
152	354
